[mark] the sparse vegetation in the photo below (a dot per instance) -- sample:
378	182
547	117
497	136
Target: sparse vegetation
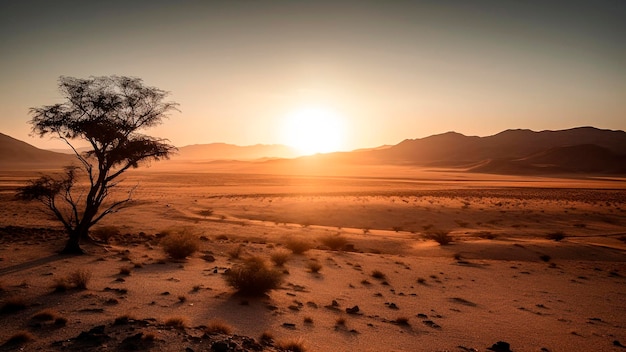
176	322
314	266
266	337
216	326
377	274
439	236
253	277
125	270
105	233
296	345
280	256
335	242
79	279
298	246
180	244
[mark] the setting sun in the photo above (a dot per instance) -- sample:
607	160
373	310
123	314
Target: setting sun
314	129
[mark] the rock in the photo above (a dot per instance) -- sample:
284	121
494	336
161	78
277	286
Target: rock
353	310
500	346
220	346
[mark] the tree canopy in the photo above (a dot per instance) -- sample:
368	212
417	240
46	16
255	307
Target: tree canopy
108	112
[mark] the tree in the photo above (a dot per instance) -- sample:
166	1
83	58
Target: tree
108	113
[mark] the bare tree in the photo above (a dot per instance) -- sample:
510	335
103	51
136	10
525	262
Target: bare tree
108	113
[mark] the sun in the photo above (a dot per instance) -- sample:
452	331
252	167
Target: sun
314	129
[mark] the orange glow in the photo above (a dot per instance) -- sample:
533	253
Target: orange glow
314	129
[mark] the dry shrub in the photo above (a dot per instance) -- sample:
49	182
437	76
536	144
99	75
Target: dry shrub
13	305
253	277
298	246
296	345
314	266
266	338
176	322
441	237
79	279
280	257
180	244
105	233
377	274
218	327
335	242
19	338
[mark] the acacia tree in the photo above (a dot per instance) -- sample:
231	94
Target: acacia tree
107	112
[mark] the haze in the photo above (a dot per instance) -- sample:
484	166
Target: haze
386	71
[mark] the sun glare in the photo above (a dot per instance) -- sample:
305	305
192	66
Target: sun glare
314	129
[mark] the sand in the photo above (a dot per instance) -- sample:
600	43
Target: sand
501	279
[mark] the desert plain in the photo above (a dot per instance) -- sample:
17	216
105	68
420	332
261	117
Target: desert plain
535	263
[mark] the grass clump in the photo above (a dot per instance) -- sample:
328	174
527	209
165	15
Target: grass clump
377	274
79	279
314	266
280	256
298	246
335	242
253	277
105	233
176	322
218	327
441	237
180	245
296	345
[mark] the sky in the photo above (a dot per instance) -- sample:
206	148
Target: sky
382	71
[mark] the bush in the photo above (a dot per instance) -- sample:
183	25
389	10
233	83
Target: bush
105	233
79	279
253	277
335	242
441	237
377	274
298	246
180	245
314	266
176	322
218	327
292	345
280	257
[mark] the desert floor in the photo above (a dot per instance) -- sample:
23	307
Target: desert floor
503	278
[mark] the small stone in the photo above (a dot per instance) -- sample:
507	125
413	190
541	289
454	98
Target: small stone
353	310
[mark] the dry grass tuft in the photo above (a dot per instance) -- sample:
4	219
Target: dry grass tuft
105	233
439	236
218	327
377	274
296	345
298	246
181	244
335	242
280	256
125	270
253	277
79	279
266	338
314	266
176	322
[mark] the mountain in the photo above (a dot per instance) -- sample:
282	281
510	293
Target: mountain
17	154
223	151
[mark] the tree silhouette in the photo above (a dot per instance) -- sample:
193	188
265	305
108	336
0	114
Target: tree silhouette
107	112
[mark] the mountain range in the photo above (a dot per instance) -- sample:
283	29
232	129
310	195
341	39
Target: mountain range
581	150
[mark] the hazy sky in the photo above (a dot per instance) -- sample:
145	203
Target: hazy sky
389	70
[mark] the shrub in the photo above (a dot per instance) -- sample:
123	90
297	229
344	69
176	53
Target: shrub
314	266
441	237
79	279
298	246
292	345
218	327
105	233
125	270
176	322
335	242
180	245
280	257
377	274
253	277
266	338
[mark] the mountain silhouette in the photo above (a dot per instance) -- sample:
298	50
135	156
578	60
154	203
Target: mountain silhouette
17	154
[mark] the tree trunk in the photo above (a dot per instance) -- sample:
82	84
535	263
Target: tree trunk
72	246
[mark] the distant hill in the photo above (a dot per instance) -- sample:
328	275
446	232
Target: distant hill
16	154
576	150
223	151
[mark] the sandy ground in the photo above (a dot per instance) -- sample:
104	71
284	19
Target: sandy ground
501	279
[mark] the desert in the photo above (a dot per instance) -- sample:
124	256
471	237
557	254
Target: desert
535	262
